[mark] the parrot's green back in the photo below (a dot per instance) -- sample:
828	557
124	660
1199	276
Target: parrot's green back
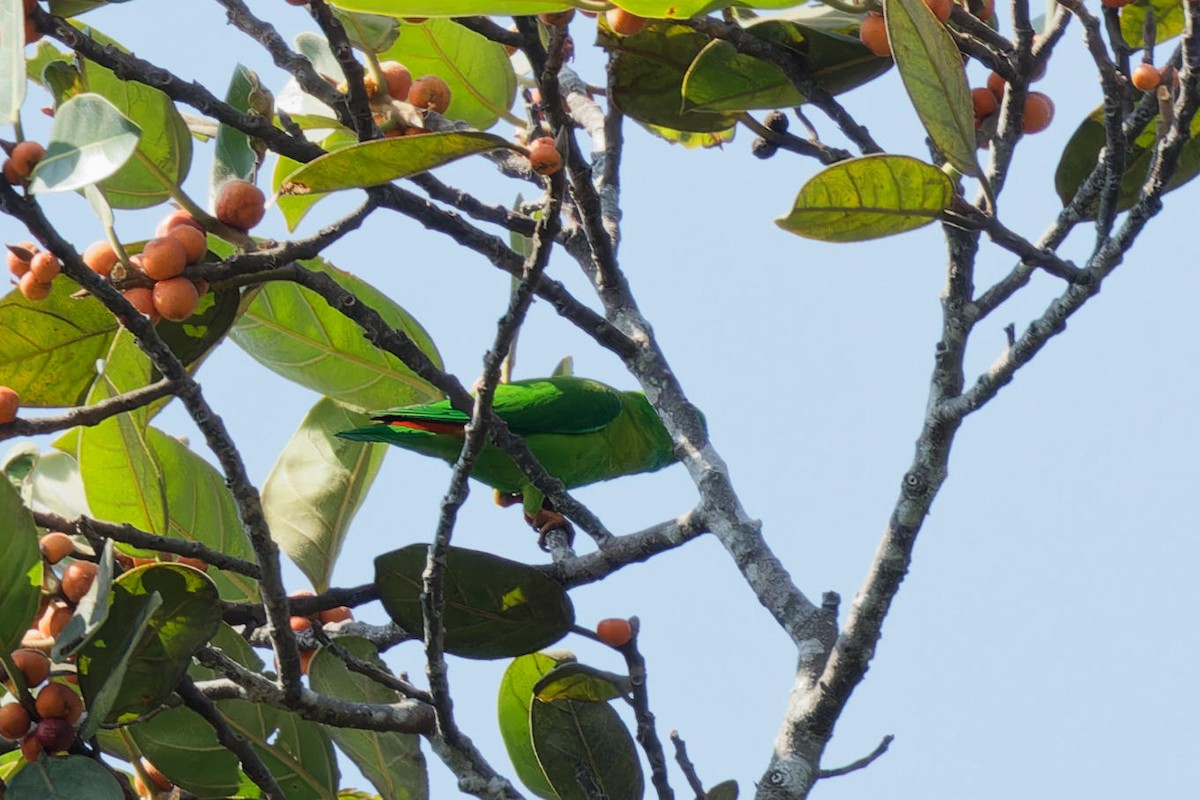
581	431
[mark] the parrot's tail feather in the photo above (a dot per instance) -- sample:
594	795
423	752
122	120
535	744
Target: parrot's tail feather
447	428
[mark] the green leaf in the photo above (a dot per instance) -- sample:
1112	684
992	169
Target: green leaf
453	8
568	735
55	485
105	658
294	333
477	70
195	337
515	697
932	70
690	140
118	446
89	140
495	608
234	157
384	160
391	761
44	54
183	745
369	32
316	487
18	463
295	206
12	60
867	198
20	568
64	778
725	790
189	615
721	79
315	48
1082	153
1169	19
463	8
63	80
165	149
90	613
71	8
575	681
10	762
646	75
48	349
301	759
203	510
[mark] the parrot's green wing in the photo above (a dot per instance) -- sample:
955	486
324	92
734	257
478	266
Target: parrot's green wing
565	405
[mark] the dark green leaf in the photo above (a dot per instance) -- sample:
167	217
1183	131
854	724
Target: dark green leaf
202	509
165	149
89	140
64	778
1082	153
301	759
391	761
20	568
647	71
932	70
18	463
870	197
197	335
183	745
48	349
44	54
725	790
495	608
104	660
575	681
295	333
316	487
477	70
384	160
515	697
569	736
189	616
721	79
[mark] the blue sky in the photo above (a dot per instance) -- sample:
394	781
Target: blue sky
1044	642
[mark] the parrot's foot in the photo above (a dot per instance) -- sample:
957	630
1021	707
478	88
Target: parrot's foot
547	520
506	499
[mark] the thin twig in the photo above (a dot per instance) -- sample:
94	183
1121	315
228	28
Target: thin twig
231	740
647	734
127	534
861	763
89	415
685	764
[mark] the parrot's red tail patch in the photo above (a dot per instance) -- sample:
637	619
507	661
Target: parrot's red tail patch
448	428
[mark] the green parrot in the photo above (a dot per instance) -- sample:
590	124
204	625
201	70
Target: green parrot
581	431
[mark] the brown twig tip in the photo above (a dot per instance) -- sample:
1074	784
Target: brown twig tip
861	763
